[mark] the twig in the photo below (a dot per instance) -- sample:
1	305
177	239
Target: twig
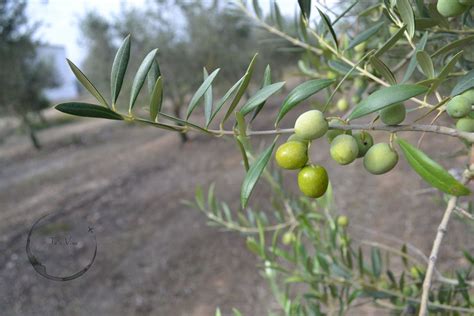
435	249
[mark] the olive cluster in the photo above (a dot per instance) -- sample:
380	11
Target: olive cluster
345	148
460	107
450	8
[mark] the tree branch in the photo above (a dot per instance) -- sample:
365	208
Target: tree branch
435	249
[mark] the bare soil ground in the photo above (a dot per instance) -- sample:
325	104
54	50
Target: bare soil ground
157	256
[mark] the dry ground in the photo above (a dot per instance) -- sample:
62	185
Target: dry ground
157	256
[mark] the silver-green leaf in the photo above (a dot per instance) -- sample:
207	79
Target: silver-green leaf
119	67
140	77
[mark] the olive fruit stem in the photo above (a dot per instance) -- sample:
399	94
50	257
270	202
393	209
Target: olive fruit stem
442	229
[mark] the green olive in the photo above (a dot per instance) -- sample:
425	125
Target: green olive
311	125
355	98
292	155
458	107
296	138
342	221
331	75
465	124
344	149
380	158
333	133
288	238
449	8
466	2
342	105
469	94
394	114
313	181
360	47
364	142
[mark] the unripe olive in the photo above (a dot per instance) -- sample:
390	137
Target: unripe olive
288	238
466	2
407	291
344	149
449	8
292	155
296	138
360	47
465	124
393	29
313	181
331	75
359	83
364	142
458	107
333	133
380	158
311	125
394	114
469	94
415	272
342	104
342	221
355	98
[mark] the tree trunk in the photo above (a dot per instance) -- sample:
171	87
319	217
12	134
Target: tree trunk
31	132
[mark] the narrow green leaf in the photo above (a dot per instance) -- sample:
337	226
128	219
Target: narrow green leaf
327	23
383	70
267	80
413	62
426	64
254	174
305	6
223	100
257	9
207	100
261	96
119	67
406	13
431	171
465	83
156	99
362	37
88	110
277	13
140	77
153	76
200	92
339	66
391	41
301	93
445	72
87	83
376	259
340	16
242	87
453	45
385	97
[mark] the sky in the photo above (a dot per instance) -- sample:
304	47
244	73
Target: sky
60	19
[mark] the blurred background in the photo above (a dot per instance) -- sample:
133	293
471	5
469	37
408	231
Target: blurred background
156	255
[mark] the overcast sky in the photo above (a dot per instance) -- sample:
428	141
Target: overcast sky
60	18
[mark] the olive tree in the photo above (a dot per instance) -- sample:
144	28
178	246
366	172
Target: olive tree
24	75
308	256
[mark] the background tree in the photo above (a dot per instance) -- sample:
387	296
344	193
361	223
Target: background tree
24	75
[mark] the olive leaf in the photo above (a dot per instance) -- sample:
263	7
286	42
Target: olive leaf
413	62
119	67
452	45
156	99
385	97
466	82
328	25
200	92
383	69
87	83
254	173
153	74
267	80
305	6
391	41
301	93
432	172
242	87
224	99
88	110
207	99
406	13
140	77
362	37
425	62
261	96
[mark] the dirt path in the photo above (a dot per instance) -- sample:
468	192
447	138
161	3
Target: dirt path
156	255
